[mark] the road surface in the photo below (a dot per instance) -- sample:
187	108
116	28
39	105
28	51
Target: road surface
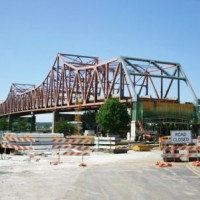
107	176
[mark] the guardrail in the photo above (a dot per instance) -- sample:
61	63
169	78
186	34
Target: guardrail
105	143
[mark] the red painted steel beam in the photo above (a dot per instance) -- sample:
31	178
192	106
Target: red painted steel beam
84	77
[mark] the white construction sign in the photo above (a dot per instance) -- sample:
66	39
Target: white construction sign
181	136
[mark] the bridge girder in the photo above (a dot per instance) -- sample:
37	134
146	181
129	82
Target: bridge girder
93	82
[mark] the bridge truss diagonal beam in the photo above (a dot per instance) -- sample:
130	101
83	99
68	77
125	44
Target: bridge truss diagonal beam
85	78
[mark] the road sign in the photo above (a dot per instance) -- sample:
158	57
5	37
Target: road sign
181	136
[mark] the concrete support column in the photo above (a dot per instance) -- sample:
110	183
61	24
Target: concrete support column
33	120
55	118
133	130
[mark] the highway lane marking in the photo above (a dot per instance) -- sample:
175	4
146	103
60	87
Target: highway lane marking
192	168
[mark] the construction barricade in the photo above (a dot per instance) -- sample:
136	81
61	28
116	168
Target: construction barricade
180	152
41	142
15	143
11	144
72	147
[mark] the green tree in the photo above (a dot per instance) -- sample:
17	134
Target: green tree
113	118
3	123
62	126
21	125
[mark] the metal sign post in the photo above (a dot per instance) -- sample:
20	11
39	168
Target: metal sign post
59	156
82	157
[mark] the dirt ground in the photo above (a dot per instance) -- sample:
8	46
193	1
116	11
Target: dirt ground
41	179
22	178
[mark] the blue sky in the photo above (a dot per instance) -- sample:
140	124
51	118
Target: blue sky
33	32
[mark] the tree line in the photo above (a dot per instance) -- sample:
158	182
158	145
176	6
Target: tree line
112	118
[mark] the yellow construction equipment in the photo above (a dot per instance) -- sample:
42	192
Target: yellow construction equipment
141	147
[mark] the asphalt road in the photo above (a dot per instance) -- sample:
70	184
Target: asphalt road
138	180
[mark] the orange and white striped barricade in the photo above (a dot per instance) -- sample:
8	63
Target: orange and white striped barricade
10	142
79	144
74	153
70	147
184	153
68	153
71	141
189	152
72	144
17	147
19	139
6	145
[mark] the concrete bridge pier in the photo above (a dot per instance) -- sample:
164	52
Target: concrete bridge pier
133	130
33	123
55	118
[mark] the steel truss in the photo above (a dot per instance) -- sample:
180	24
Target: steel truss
92	82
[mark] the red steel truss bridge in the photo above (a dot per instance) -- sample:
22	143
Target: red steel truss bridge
92	82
